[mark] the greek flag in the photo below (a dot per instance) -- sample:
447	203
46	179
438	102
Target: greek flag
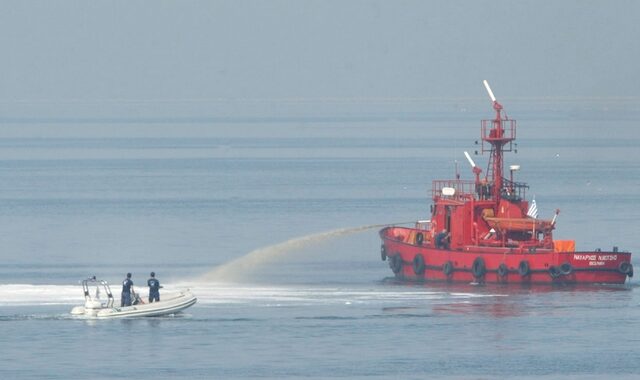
533	210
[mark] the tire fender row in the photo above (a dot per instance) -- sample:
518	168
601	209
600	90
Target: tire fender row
479	269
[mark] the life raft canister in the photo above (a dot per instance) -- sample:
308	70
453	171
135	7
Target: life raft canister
419	238
383	252
395	263
418	264
447	268
478	269
523	268
502	270
626	268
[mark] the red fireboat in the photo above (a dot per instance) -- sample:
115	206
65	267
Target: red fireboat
485	231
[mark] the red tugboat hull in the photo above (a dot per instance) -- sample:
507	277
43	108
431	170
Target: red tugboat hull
413	262
484	230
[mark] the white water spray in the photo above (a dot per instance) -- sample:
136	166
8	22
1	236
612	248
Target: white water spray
235	270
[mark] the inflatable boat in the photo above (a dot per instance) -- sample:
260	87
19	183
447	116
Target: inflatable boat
97	307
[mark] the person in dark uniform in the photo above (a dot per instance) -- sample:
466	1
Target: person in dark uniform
127	289
442	240
154	288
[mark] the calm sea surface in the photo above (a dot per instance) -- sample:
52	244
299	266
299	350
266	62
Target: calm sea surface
315	301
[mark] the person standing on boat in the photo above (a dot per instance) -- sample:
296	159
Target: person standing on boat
442	240
127	290
154	288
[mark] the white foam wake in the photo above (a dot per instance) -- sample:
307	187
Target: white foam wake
254	295
24	294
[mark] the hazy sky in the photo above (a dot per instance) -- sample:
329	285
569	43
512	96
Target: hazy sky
119	51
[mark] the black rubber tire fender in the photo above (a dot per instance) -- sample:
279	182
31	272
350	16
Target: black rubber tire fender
478	268
395	262
626	268
554	271
418	264
566	269
502	270
447	268
523	268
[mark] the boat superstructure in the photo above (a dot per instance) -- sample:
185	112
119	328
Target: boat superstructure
485	230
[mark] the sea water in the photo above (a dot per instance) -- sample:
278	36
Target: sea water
273	226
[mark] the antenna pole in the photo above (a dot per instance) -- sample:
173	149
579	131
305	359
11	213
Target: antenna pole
497	138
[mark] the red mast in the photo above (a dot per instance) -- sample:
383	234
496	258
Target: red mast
498	133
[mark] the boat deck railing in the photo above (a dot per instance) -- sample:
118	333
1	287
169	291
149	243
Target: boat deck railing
461	190
92	282
503	131
456	189
514	191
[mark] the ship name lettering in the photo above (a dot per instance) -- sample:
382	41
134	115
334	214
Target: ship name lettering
608	257
584	257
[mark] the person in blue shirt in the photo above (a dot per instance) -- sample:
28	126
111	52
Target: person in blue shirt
154	288
127	289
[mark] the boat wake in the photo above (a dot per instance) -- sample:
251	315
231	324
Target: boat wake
26	294
239	269
210	293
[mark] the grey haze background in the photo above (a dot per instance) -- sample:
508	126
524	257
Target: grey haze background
68	67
